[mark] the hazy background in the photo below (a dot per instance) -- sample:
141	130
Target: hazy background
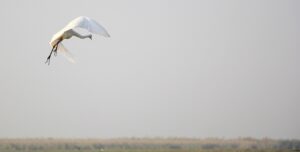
187	68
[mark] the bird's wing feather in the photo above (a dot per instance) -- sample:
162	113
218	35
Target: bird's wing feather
63	50
88	24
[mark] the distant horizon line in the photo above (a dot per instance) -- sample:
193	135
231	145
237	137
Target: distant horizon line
147	137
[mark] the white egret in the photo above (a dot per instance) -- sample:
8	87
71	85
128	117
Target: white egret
68	31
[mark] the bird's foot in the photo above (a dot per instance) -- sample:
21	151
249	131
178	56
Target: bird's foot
48	61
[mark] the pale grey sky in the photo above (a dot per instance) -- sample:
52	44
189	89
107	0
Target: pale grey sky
189	68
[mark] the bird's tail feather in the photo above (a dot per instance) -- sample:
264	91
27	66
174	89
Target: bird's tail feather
62	49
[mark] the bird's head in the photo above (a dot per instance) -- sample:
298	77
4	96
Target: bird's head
91	36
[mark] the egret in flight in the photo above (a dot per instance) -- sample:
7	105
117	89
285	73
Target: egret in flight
68	31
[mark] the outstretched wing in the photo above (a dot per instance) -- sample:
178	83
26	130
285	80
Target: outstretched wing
88	24
63	50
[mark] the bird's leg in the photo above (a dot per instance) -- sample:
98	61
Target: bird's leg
48	59
54	49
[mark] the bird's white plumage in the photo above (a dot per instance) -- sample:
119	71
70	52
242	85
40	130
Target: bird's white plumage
82	22
88	24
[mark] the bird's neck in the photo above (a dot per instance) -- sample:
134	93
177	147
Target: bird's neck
74	33
83	36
